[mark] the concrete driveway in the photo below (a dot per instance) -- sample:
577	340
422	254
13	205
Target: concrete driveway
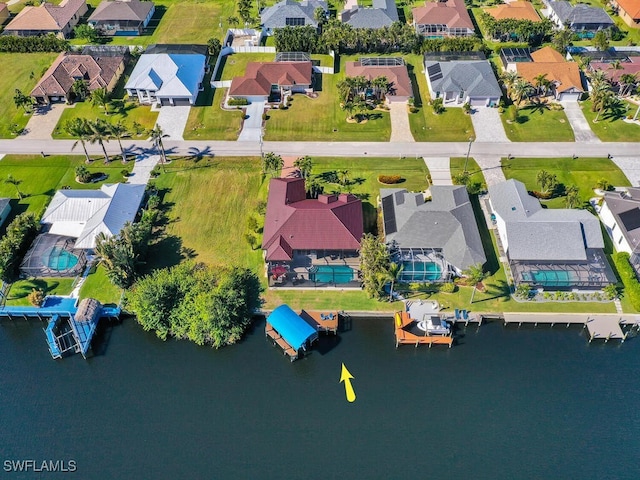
43	121
630	166
487	125
173	121
491	168
440	170
252	126
400	129
142	169
581	129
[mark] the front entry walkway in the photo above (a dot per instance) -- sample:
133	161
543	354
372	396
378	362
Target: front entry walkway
252	126
630	166
173	121
487	125
491	169
439	168
581	129
400	129
141	172
43	122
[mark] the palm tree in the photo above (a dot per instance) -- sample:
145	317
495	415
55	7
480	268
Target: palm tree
305	165
80	89
380	86
475	274
350	108
313	187
16	183
541	83
100	98
343	177
598	77
24	101
393	273
233	21
606	100
627	83
119	131
521	89
99	132
272	164
546	181
346	88
78	128
572	196
509	78
156	135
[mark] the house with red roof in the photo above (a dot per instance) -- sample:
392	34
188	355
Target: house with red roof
272	80
311	241
629	11
443	18
47	18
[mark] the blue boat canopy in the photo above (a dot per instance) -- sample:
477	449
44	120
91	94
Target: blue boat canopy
291	326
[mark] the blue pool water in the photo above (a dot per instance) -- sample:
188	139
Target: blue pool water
420	272
332	274
59	259
549	278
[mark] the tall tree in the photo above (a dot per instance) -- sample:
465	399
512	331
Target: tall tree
100	98
546	180
99	132
80	89
521	89
601	41
374	264
77	127
572	198
475	274
119	131
16	183
305	165
23	101
156	137
393	273
272	164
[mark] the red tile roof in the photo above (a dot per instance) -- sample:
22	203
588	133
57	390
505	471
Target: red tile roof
47	16
259	76
632	7
58	79
452	13
293	222
397	76
632	67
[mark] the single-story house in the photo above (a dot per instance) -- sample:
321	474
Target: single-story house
47	18
311	241
399	84
381	13
168	75
5	209
289	13
629	65
518	10
448	18
620	214
97	71
629	11
432	240
565	77
4	12
580	18
83	214
122	17
462	81
266	79
557	248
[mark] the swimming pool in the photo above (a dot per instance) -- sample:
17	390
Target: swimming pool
420	272
549	278
331	274
59	259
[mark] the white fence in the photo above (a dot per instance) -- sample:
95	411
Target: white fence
221	84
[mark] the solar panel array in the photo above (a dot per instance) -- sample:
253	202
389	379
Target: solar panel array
434	71
381	61
292	57
389	215
294	21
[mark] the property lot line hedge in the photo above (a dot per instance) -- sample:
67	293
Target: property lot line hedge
628	277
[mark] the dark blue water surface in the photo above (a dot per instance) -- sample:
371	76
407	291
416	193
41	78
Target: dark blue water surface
502	404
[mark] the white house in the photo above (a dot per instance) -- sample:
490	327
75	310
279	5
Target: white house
620	214
83	214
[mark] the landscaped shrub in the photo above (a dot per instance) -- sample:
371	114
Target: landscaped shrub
46	43
238	102
389	179
36	297
628	276
20	233
414	109
448	287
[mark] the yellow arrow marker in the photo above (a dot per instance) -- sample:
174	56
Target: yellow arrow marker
346	377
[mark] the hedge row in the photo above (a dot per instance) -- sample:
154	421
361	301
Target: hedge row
20	233
237	102
628	277
46	43
389	179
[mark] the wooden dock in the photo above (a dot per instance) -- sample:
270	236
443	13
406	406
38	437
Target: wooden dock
600	326
406	333
323	322
277	340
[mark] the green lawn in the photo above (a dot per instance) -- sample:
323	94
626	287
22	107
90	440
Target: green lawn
98	286
583	172
456	166
41	177
207	210
363	173
610	127
20	71
235	65
20	290
539	124
348	300
208	121
451	126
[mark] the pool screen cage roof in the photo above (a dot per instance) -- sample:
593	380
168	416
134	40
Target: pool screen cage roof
413	258
381	61
595	274
46	251
293	57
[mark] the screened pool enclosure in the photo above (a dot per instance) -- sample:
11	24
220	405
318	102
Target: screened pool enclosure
422	265
53	256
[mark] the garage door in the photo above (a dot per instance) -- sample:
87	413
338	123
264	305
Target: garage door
570	97
164	102
181	102
478	102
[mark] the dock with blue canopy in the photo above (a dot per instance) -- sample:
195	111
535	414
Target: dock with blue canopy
290	331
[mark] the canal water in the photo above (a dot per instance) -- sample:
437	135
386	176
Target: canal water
504	403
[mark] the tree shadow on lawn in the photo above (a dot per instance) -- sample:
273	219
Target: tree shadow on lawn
26	288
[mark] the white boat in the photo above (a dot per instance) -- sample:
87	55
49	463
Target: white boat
434	325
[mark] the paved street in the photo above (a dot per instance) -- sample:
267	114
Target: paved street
579	123
488	126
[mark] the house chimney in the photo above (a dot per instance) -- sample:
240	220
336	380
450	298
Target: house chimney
344	197
326	198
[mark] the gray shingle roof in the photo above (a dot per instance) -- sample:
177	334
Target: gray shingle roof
625	208
121	10
536	233
447	222
475	78
276	15
382	14
580	13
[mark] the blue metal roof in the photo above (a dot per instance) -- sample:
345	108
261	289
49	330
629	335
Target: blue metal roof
291	326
